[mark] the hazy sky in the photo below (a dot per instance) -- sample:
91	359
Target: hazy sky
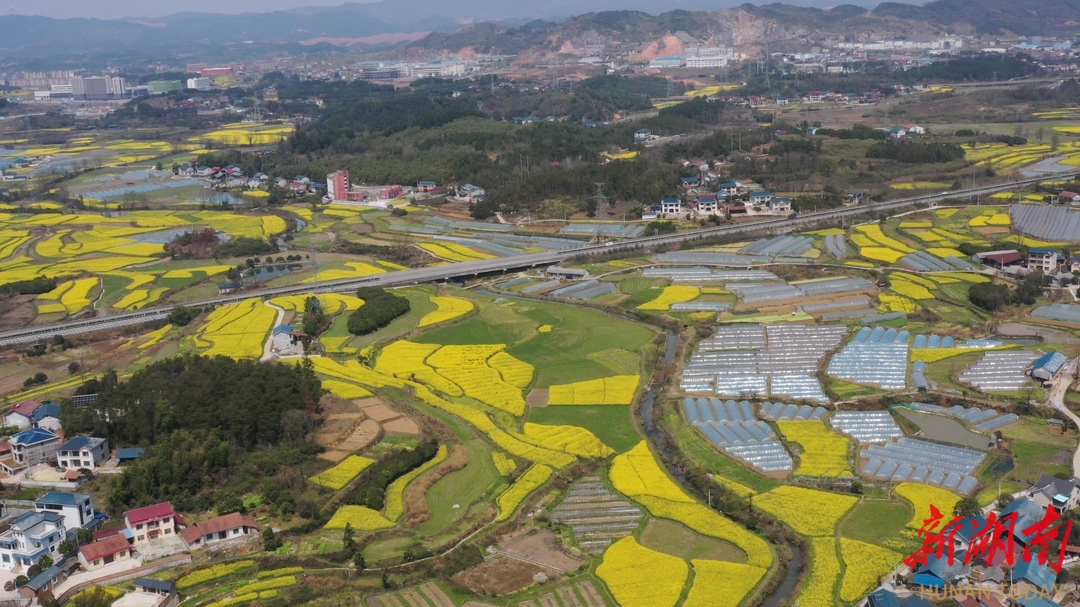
111	9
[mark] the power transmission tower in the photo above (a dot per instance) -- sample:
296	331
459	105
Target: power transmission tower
601	201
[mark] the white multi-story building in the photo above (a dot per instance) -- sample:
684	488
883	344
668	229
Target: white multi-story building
83	452
30	538
98	87
940	44
709	56
199	84
33	446
77	509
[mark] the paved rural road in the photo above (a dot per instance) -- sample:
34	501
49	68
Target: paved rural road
469	269
1056	399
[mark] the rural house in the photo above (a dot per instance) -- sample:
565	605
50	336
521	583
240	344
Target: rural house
219	529
30	448
20	415
151	522
1063	495
96	555
31	537
83	452
76	508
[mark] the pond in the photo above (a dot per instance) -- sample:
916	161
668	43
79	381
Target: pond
945	429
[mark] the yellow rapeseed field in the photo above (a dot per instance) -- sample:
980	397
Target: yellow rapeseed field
670	295
343	472
155	336
395	493
510	499
238	330
721	584
616	390
405	359
449	308
896	303
825	453
809	512
637	474
571	439
361	518
922	497
503	464
819	587
865	565
513	371
909	288
345	389
467	366
639	577
452	251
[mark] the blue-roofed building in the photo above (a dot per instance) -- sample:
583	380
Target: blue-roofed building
145	584
760	198
887	598
30	448
31	537
471	193
728	188
87	452
671	206
43	582
283	338
1034	573
1044	258
47	416
1046	367
129	454
938	572
1027	513
882	598
1036	601
76	508
690	182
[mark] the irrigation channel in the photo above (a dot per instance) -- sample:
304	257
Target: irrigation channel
794	568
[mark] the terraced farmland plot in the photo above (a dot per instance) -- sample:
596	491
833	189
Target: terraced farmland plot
597	515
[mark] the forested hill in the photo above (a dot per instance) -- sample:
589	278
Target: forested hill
247	402
198	419
752	25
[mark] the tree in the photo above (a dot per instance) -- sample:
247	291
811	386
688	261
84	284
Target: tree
67	548
967	507
40	566
73	367
989	296
46	599
269	540
359	562
180	316
21	581
1005	500
348	540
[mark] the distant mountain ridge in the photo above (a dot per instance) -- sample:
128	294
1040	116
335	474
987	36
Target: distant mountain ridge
749	27
364	24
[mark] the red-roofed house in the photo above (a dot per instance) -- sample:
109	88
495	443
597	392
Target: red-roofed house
1070	197
105	533
218	529
20	414
96	555
151	522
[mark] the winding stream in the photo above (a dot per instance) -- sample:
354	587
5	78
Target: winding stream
794	568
